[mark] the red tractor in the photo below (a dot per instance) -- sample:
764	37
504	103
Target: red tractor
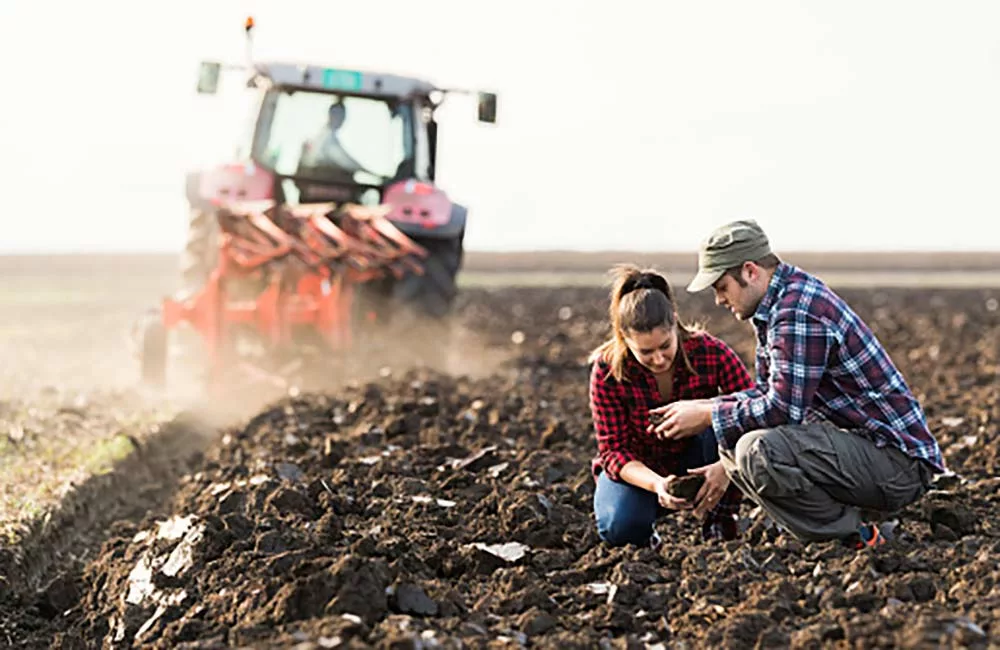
333	186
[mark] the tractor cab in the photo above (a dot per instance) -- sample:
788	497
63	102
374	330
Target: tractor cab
322	135
331	135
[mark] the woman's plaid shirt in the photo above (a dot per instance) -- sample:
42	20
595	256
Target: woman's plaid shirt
621	410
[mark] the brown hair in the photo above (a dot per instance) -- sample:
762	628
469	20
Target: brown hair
641	301
769	262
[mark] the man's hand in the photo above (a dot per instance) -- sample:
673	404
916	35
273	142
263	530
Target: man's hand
715	485
668	500
681	419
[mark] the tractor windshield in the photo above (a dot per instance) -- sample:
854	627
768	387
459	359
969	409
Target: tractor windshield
332	138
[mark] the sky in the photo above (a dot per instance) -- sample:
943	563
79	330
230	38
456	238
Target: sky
629	125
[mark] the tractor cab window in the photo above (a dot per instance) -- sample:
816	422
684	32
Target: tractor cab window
332	138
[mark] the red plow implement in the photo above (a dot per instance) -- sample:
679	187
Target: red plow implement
283	270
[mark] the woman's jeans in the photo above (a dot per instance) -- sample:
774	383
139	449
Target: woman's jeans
626	513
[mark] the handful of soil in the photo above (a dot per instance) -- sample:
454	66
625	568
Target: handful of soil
686	487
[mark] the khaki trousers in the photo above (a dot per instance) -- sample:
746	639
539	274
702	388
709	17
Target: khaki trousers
817	480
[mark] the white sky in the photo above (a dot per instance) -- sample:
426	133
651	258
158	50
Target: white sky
632	125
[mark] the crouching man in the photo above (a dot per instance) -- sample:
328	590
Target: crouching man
830	431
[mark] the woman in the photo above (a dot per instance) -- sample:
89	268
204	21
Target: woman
650	360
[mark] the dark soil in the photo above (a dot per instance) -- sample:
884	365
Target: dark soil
686	487
426	510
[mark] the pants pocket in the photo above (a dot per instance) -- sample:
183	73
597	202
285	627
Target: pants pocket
903	488
772	472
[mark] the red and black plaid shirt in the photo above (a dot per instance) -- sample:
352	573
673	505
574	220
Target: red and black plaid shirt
621	410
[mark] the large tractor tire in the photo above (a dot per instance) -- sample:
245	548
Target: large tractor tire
201	250
432	294
408	319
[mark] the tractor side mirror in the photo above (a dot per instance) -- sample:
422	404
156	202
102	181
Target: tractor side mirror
488	108
208	77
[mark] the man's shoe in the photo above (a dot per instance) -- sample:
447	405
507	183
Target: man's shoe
872	535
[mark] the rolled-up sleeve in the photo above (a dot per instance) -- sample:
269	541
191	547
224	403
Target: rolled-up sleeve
607	408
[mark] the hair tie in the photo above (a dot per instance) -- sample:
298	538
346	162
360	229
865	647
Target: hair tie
644	282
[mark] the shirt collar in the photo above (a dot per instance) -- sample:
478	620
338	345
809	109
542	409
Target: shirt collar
633	367
774	289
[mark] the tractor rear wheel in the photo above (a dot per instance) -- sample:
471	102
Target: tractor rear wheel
432	295
201	250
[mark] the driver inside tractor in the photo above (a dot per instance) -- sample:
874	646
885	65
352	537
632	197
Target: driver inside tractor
325	151
361	144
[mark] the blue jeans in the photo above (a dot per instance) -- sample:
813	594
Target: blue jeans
625	513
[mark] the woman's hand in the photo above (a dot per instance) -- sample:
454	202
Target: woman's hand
715	485
681	419
668	500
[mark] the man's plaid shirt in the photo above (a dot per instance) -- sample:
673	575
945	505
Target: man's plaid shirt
816	359
620	411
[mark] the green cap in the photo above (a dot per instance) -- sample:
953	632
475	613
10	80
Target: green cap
728	246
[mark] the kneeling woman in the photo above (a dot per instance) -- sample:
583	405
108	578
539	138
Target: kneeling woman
650	360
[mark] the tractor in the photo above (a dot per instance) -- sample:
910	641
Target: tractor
355	150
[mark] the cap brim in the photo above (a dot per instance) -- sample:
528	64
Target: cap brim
704	280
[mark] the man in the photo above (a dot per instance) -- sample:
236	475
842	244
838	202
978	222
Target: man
831	430
325	150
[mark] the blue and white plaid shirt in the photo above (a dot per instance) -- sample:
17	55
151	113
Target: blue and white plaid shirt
816	359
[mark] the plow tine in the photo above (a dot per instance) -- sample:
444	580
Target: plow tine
251	251
365	240
385	227
353	250
262	206
328	228
396	250
310	211
268	241
407	248
272	230
303	264
252	238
